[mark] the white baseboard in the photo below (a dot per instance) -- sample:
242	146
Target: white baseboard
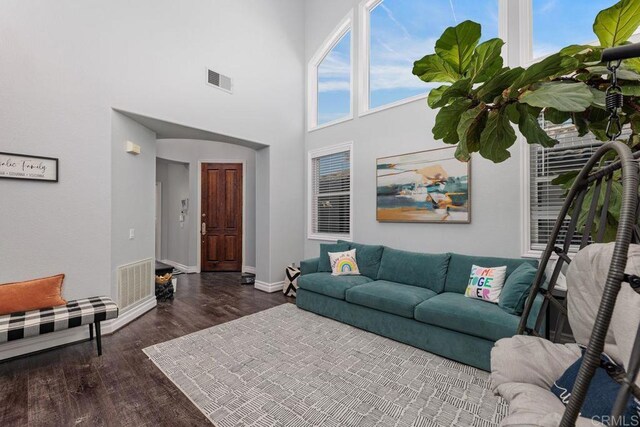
248	269
268	287
130	315
181	267
54	339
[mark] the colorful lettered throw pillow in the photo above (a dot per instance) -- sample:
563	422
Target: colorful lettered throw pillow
343	263
486	283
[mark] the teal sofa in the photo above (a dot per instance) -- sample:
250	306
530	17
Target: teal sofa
414	298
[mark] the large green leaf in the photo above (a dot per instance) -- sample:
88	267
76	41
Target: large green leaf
513	113
448	117
586	54
599	129
586	206
435	96
622	73
497	137
470	127
456	45
547	69
498	83
615	202
631	89
451	139
615	25
555	116
634	121
486	60
599	98
632	64
559	95
530	128
566	180
459	89
580	122
432	68
576	49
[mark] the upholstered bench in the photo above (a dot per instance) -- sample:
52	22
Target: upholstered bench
87	311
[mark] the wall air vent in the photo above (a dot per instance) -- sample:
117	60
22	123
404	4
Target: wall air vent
219	80
135	283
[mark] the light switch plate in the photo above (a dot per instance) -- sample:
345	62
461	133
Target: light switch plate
132	233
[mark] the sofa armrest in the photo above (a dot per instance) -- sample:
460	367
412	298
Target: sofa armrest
309	266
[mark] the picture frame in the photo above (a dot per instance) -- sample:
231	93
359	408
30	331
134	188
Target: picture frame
28	167
429	186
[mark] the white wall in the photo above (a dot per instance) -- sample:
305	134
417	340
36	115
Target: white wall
192	152
67	63
133	195
495	198
176	234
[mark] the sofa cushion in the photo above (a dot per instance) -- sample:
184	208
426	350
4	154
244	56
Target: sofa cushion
460	268
331	286
390	297
413	268
470	316
324	264
368	258
516	289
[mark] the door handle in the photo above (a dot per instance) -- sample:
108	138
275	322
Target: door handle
203	229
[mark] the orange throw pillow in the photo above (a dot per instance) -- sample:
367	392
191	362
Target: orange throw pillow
31	295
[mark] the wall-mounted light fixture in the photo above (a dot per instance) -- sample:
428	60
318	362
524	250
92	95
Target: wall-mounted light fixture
132	148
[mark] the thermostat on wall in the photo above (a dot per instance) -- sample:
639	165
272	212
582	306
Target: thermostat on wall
133	148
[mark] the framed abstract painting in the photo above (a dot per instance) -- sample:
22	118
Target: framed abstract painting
427	186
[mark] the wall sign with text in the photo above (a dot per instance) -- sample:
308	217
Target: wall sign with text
35	168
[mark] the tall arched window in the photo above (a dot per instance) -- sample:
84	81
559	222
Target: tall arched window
395	33
330	79
560	23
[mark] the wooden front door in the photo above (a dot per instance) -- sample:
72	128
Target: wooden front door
221	222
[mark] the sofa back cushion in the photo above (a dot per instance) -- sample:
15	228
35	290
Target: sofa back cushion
413	268
368	258
517	288
460	269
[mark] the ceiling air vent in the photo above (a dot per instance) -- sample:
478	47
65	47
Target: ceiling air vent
219	80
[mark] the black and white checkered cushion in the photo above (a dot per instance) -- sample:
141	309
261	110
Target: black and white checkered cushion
80	312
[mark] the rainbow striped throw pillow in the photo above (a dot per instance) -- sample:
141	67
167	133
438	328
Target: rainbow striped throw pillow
344	263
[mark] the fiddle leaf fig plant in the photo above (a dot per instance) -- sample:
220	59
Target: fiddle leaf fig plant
481	101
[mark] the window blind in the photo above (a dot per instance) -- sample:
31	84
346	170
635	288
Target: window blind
331	194
545	199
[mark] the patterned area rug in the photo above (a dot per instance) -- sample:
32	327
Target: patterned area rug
288	367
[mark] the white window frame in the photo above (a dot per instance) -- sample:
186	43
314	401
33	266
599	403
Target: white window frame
527	26
364	57
327	46
364	54
313	154
525	201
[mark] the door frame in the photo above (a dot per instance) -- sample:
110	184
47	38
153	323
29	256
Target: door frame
244	207
158	246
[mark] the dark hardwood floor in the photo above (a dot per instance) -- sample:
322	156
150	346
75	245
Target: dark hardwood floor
72	386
